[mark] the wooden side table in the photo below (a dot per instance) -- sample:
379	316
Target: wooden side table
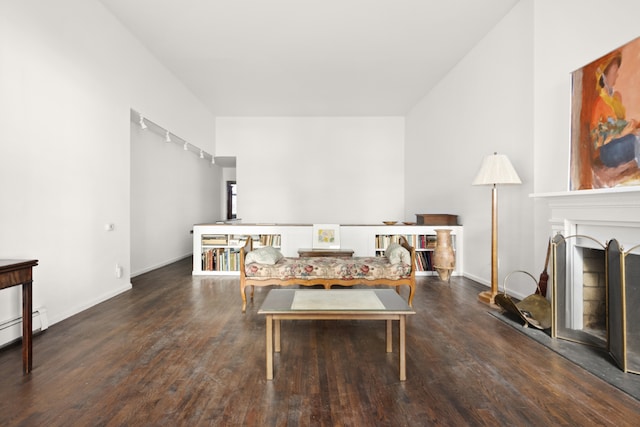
19	272
325	252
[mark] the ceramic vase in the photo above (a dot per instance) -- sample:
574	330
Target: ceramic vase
444	259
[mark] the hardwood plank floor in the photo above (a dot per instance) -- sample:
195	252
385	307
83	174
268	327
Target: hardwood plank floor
176	350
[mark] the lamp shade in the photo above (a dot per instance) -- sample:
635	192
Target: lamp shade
496	169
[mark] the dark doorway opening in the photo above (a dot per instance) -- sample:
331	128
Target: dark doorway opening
232	196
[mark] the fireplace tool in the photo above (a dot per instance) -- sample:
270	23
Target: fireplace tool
544	276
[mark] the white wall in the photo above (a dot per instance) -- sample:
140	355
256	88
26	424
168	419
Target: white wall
483	105
511	94
70	75
316	169
171	189
568	35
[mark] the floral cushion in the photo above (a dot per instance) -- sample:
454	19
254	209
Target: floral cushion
365	268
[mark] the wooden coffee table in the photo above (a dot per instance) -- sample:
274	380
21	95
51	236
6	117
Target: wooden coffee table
335	304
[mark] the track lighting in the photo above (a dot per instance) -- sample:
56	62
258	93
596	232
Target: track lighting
145	123
142	123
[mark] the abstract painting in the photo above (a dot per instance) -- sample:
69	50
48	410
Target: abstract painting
605	121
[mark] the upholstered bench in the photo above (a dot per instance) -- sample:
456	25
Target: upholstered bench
266	266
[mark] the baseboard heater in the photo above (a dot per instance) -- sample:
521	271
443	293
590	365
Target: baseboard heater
11	330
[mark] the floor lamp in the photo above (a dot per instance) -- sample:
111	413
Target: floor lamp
495	169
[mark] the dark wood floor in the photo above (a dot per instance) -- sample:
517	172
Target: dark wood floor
176	350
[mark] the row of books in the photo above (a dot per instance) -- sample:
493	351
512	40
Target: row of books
239	240
424	261
215	239
268	239
420	241
424	241
221	259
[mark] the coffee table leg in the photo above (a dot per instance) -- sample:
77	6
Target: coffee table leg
269	347
277	335
403	360
389	336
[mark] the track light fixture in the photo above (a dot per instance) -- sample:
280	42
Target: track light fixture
142	123
145	123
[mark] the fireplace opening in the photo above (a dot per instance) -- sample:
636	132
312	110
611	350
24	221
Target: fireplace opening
594	292
596	295
611	217
579	302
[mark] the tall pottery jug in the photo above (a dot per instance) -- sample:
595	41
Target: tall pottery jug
444	259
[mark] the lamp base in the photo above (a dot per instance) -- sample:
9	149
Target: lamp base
489	298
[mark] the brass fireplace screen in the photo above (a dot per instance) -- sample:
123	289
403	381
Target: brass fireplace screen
620	334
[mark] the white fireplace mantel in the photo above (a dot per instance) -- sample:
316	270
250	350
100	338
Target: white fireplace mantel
603	214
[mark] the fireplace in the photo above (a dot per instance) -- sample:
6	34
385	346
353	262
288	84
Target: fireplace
579	290
596	271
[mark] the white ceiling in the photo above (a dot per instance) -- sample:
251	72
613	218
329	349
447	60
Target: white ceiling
309	57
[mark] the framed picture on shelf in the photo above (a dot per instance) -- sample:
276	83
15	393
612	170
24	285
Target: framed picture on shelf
326	236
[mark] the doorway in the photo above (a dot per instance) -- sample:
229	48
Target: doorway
232	196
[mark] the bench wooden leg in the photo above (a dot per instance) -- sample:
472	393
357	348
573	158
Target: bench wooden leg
412	291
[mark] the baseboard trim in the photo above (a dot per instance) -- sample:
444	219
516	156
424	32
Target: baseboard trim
162	264
488	285
11	329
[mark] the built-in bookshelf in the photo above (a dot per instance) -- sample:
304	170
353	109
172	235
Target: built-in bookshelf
424	245
220	253
216	247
